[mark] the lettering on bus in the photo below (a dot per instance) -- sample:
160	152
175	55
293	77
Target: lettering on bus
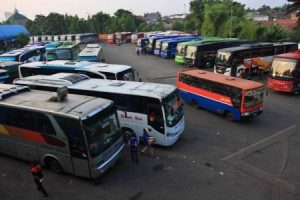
132	117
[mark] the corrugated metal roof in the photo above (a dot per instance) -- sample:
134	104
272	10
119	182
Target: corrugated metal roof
8	32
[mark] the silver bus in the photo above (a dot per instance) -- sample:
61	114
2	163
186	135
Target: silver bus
139	105
74	134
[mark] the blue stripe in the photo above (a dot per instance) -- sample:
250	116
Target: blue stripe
210	104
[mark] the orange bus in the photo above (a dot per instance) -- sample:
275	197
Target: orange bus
232	97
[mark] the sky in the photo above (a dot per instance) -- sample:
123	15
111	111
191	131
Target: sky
83	8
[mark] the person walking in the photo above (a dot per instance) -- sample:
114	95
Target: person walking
36	171
133	142
147	141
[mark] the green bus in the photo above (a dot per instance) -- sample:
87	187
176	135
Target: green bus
68	51
182	47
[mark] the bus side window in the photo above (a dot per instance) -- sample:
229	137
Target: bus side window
154	112
74	133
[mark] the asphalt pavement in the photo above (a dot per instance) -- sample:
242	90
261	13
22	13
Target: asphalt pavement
215	159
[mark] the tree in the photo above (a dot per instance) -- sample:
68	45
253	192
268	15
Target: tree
295	7
276	33
22	40
56	24
178	26
144	27
159	26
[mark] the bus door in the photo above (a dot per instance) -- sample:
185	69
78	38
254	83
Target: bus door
77	146
155	118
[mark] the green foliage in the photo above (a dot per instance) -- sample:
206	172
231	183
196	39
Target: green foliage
295	6
22	40
178	26
159	26
295	36
143	27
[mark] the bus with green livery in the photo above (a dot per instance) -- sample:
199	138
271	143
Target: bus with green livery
68	51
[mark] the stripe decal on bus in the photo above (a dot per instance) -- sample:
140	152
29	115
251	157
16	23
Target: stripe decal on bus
229	104
30	135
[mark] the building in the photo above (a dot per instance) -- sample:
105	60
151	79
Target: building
17	18
152	18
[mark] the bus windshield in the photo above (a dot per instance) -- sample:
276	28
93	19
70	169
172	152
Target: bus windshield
191	52
150	43
64	54
222	58
253	97
173	108
102	130
164	46
181	49
283	67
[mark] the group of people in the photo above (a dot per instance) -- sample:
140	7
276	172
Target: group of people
146	140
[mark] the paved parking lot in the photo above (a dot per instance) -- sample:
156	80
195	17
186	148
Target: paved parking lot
211	161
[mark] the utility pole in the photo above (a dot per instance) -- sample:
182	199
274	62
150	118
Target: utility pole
184	19
230	21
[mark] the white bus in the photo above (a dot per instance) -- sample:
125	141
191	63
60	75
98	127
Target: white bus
92	53
74	134
139	105
93	70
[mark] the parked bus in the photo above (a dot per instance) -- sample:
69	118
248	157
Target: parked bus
285	73
234	98
37	38
158	44
152	41
93	70
135	37
168	48
56	38
11	60
3	76
230	61
71	37
86	38
92	53
80	135
67	51
111	39
182	47
123	37
204	55
141	45
139	105
51	50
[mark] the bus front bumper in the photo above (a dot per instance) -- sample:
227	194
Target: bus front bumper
251	114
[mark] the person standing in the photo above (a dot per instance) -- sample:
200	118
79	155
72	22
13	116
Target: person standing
133	142
147	141
36	171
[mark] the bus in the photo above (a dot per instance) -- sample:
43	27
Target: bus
136	36
51	50
86	38
204	55
123	37
111	39
152	41
182	47
231	61
141	44
67	51
11	60
139	105
3	76
93	70
79	135
56	38
92	53
168	48
71	37
235	98
285	73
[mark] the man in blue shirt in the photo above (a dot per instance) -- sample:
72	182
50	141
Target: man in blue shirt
133	142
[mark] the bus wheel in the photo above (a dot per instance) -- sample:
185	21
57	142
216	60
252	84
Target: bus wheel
229	116
53	165
194	104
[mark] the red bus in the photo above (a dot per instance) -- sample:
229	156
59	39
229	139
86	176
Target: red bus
285	73
111	38
232	97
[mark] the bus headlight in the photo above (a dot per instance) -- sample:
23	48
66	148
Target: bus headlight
246	114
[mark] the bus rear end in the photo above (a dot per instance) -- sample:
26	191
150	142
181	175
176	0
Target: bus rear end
285	73
111	39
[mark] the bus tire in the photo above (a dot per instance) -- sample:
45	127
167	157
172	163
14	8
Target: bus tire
53	165
229	116
127	133
194	104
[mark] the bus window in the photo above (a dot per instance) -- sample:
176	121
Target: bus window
64	54
153	109
74	133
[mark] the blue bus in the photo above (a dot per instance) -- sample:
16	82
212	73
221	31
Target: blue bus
11	60
158	44
153	39
3	76
168	48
